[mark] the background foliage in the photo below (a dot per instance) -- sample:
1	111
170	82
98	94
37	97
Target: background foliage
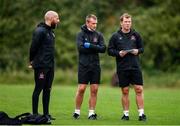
157	21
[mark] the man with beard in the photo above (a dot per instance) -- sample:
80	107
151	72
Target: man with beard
42	61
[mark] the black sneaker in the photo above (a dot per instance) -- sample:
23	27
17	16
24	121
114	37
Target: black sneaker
93	117
76	116
142	118
48	119
125	118
52	118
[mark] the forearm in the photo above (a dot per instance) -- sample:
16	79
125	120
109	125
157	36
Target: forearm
81	49
113	52
140	50
98	48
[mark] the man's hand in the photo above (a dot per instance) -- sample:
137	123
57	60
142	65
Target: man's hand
86	45
122	53
135	51
30	65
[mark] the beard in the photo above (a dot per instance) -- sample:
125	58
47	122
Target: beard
93	29
53	25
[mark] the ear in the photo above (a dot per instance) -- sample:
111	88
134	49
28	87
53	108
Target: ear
52	18
120	23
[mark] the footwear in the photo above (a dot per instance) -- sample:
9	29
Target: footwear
142	118
125	118
52	118
48	119
76	116
93	117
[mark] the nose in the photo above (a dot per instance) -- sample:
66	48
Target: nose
58	20
95	25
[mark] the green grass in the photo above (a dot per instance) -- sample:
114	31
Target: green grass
162	106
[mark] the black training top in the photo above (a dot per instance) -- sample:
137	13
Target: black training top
125	41
89	56
42	47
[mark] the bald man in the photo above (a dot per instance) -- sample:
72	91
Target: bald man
42	61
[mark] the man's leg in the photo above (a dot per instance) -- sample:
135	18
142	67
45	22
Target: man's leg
39	80
47	90
80	95
140	101
125	98
125	102
79	99
139	96
93	97
123	77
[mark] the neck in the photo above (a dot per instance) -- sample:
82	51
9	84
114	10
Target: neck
125	30
48	23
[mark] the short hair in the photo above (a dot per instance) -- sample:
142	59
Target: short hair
49	14
125	15
91	16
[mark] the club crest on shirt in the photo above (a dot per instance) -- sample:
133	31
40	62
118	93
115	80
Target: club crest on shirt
95	39
41	75
133	38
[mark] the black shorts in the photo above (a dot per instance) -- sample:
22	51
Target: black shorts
89	75
127	77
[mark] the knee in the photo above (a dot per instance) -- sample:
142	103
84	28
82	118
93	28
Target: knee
37	91
125	91
94	92
35	94
48	90
139	90
81	91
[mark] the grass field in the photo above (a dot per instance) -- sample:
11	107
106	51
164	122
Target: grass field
162	106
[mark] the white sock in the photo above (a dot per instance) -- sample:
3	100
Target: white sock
141	112
77	111
91	112
126	112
